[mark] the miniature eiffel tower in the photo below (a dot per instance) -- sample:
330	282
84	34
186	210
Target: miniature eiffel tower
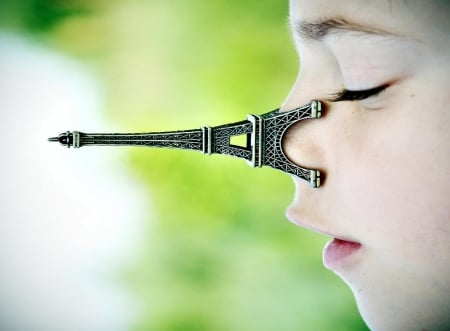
264	136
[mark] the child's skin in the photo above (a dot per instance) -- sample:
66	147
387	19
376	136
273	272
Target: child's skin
386	159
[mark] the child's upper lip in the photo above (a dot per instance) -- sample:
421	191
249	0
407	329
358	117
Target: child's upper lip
307	225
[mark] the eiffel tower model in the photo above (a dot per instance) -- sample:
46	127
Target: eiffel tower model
264	136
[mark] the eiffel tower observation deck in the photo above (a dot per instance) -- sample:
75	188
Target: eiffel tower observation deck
263	140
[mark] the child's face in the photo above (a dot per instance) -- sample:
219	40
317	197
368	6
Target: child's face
386	159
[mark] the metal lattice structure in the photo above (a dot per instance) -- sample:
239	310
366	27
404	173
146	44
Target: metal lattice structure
264	137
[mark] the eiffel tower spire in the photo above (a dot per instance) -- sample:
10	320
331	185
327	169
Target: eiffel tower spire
263	133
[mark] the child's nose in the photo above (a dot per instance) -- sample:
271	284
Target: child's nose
302	144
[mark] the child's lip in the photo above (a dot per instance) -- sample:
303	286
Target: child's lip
338	253
306	224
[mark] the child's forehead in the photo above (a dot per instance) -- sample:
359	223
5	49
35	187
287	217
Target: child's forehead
413	19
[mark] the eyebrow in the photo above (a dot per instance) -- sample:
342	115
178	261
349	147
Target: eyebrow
318	29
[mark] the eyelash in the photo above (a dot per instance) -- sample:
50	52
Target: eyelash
348	95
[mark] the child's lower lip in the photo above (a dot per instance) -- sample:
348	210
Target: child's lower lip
337	251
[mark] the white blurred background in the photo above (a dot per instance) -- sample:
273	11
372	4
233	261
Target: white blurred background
69	219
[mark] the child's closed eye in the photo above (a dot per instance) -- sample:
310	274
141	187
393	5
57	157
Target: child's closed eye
351	95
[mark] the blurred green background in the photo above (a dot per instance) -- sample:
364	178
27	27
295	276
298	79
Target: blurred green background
219	255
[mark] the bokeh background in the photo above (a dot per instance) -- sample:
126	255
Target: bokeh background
140	239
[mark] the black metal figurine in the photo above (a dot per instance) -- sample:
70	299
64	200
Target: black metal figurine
264	135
